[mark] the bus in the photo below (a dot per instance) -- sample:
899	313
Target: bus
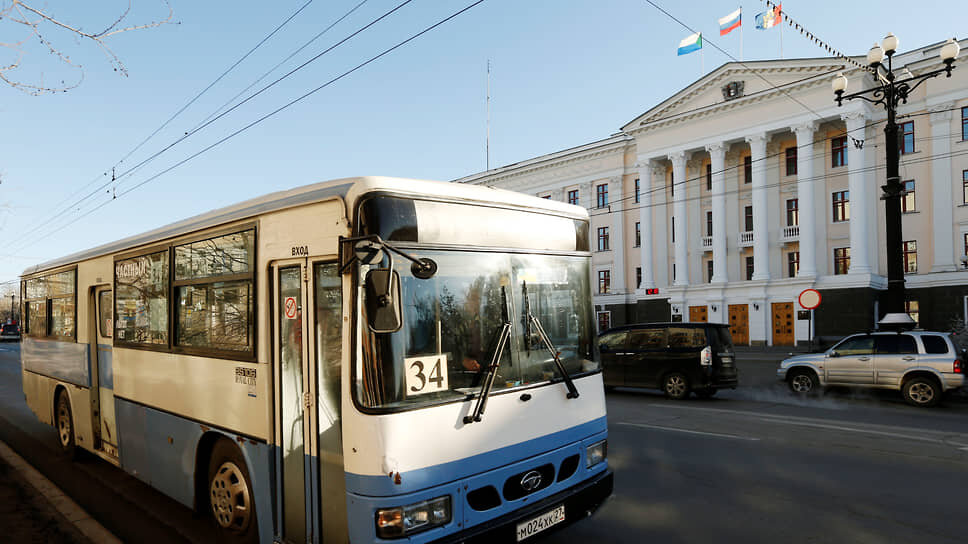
362	360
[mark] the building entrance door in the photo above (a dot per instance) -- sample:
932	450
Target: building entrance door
698	314
782	323
739	324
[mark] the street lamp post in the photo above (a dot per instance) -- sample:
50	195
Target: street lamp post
891	91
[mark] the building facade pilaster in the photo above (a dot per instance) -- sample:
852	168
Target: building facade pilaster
805	199
941	182
681	218
761	219
717	157
860	207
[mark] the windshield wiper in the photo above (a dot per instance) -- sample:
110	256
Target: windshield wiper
531	320
488	381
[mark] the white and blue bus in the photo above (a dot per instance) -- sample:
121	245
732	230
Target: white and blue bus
361	360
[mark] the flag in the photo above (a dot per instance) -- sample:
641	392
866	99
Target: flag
690	44
770	18
730	22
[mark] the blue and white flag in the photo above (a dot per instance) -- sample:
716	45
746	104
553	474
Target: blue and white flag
690	44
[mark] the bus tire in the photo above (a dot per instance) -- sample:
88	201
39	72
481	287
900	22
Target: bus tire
230	497
64	423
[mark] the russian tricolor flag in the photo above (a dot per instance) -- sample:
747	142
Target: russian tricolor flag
730	22
690	44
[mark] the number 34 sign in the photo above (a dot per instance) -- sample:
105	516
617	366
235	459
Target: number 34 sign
426	374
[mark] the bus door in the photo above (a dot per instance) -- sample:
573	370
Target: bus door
307	309
102	381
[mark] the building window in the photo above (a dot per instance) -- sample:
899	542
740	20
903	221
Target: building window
791	161
709	177
793	212
841	260
838	151
673	230
638	234
673	271
601	193
747	169
672	184
573	197
965	236
637	191
793	264
964	124
749	268
709	271
907	201
841	206
709	223
748	218
604	321
911	308
964	186
910	251
603	238
907	137
638	277
604	281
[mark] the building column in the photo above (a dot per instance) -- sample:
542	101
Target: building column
941	183
861	209
681	217
646	171
805	199
717	156
761	219
617	243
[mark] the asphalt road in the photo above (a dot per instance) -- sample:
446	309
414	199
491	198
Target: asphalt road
751	465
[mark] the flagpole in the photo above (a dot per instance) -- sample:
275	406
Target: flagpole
780	24
487	121
741	33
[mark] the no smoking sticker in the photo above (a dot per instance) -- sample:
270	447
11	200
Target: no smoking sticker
290	307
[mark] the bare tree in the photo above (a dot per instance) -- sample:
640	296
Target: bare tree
39	23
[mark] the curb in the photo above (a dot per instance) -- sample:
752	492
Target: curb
81	520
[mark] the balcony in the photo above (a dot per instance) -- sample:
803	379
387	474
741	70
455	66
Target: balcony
791	234
707	243
746	239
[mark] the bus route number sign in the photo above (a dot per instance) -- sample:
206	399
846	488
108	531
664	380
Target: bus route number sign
426	374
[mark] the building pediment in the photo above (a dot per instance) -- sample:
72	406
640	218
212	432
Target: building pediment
736	83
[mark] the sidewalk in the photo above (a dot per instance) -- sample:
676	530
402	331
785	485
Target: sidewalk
32	509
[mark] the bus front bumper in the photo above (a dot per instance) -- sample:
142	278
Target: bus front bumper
580	502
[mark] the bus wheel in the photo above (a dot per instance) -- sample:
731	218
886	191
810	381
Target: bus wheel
65	426
230	495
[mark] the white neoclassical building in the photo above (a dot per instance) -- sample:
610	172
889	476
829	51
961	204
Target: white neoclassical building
727	200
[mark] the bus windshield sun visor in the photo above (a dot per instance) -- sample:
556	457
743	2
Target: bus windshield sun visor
532	321
491	371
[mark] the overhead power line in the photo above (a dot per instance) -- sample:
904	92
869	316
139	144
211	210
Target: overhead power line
270	114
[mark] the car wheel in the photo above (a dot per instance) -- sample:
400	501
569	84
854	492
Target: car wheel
803	382
231	500
921	391
707	393
64	420
675	385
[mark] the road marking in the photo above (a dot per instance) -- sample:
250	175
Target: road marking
673	429
903	433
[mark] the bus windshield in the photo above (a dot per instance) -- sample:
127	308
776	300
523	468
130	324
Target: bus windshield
452	321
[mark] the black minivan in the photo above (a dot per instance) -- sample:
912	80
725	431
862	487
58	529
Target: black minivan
677	358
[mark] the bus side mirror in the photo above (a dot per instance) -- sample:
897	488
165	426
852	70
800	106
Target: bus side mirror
383	313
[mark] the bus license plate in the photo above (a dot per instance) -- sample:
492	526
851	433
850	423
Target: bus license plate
540	523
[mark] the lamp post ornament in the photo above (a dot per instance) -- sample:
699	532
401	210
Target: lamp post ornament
891	91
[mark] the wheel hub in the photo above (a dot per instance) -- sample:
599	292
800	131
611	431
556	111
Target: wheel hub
230	498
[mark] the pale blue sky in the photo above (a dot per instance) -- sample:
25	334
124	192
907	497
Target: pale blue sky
563	73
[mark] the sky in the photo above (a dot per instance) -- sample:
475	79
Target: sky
562	74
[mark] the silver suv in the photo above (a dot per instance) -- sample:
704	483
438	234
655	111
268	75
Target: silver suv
922	365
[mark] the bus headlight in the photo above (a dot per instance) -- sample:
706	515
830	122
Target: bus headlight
404	520
596	453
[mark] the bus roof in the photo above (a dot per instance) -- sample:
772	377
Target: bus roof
348	190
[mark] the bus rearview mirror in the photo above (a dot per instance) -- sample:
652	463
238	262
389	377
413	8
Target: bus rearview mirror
383	313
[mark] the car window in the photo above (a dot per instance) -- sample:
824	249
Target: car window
856	345
612	340
720	337
934	343
894	343
648	338
687	338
